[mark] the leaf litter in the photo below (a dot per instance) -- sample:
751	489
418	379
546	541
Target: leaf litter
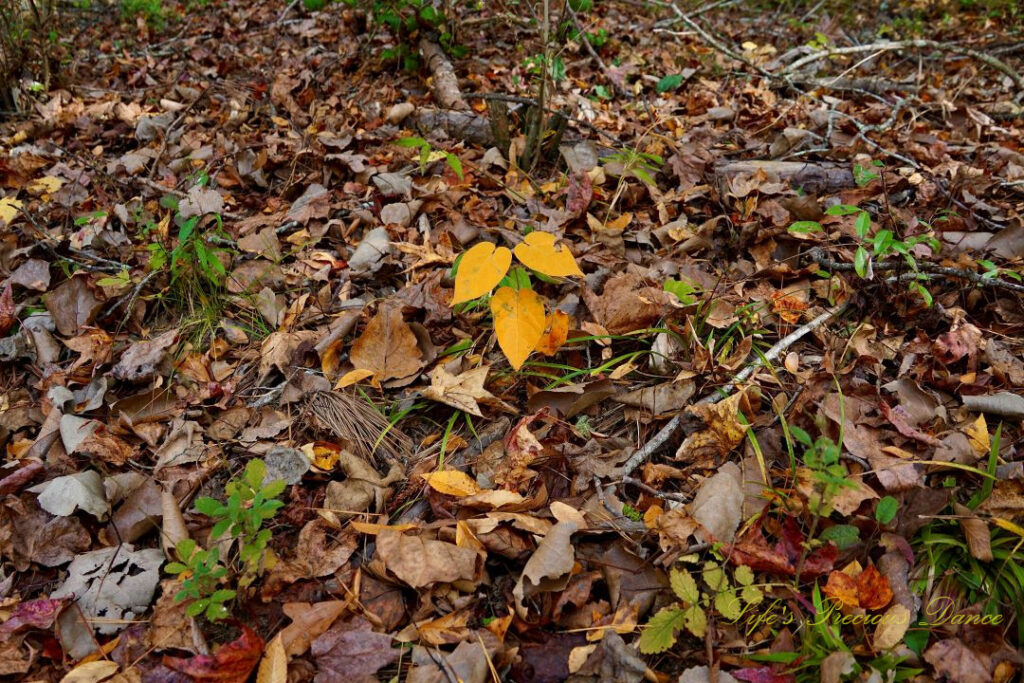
721	189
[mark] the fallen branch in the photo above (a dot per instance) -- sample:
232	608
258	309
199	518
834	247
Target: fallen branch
991	61
446	83
673	425
929	271
816	178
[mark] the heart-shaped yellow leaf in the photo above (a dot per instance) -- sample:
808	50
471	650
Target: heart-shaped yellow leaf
538	252
518	322
482	267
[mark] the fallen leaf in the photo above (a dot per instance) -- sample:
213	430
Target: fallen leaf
518	322
459	391
231	663
387	347
718	505
274	664
452	483
420	562
350	651
723	433
556	330
549	566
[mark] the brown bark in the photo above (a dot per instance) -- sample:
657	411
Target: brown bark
446	83
818	177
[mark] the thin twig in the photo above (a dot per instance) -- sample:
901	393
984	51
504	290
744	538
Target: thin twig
673	425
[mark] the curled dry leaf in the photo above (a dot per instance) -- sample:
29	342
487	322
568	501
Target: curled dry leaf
549	566
459	391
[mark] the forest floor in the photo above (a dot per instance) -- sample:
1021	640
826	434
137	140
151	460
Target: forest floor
323	357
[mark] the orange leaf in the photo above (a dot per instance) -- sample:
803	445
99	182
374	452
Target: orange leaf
843	588
518	322
538	252
482	267
873	589
556	329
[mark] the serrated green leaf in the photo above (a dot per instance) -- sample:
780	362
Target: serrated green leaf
684	586
196	608
209	507
728	605
696	621
744	575
714	577
752	595
455	164
660	632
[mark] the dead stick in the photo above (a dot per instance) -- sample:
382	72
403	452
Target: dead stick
673	425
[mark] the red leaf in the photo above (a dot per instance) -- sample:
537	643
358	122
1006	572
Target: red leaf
231	663
752	549
32	614
762	674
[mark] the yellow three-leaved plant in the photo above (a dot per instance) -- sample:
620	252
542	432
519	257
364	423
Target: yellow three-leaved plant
519	318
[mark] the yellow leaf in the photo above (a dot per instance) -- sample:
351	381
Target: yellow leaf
538	252
452	483
977	434
556	329
274	665
1009	526
44	186
352	377
518	322
620	223
482	267
9	209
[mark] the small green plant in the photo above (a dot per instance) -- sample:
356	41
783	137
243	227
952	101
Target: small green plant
150	10
250	503
428	154
690	613
201	572
877	246
830	476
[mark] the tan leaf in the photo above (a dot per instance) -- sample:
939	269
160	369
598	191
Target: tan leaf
274	665
459	391
387	347
723	433
421	562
